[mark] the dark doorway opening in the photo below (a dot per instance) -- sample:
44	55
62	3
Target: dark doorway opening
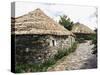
53	42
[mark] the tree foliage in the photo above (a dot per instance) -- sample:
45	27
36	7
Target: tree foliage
66	22
94	41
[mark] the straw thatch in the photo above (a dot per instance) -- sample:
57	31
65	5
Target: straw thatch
36	22
80	28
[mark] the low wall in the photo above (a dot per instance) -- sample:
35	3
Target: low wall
32	49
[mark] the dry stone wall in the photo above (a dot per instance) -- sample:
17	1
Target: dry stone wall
32	49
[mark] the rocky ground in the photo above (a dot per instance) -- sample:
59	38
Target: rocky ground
80	59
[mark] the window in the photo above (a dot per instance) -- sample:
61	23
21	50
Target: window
52	42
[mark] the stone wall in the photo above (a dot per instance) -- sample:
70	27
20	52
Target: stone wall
38	48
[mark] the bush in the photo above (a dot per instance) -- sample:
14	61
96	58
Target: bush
94	41
60	54
82	37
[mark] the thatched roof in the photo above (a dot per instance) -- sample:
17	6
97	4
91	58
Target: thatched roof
36	22
80	28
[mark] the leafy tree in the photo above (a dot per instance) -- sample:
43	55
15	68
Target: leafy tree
66	22
94	41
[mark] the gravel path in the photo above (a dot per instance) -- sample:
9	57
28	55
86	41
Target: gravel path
80	59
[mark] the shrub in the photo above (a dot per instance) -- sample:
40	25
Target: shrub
60	54
94	41
82	37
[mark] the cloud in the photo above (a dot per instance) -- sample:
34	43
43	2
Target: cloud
76	13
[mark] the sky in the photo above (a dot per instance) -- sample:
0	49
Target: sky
83	14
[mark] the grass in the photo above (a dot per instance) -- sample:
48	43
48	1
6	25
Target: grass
65	52
35	67
44	66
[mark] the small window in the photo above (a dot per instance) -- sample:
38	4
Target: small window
53	43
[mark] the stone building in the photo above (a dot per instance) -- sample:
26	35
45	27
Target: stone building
38	37
82	31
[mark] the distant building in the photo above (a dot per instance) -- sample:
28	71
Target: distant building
81	31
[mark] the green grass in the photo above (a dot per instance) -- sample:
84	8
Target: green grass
44	66
35	67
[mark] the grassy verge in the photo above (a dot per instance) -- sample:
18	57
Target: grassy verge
44	66
65	52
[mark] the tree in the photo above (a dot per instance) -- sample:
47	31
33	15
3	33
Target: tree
94	41
66	22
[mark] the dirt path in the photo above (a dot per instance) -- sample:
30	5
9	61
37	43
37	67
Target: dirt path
80	59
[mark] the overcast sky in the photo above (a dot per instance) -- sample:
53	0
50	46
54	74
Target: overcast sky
82	14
